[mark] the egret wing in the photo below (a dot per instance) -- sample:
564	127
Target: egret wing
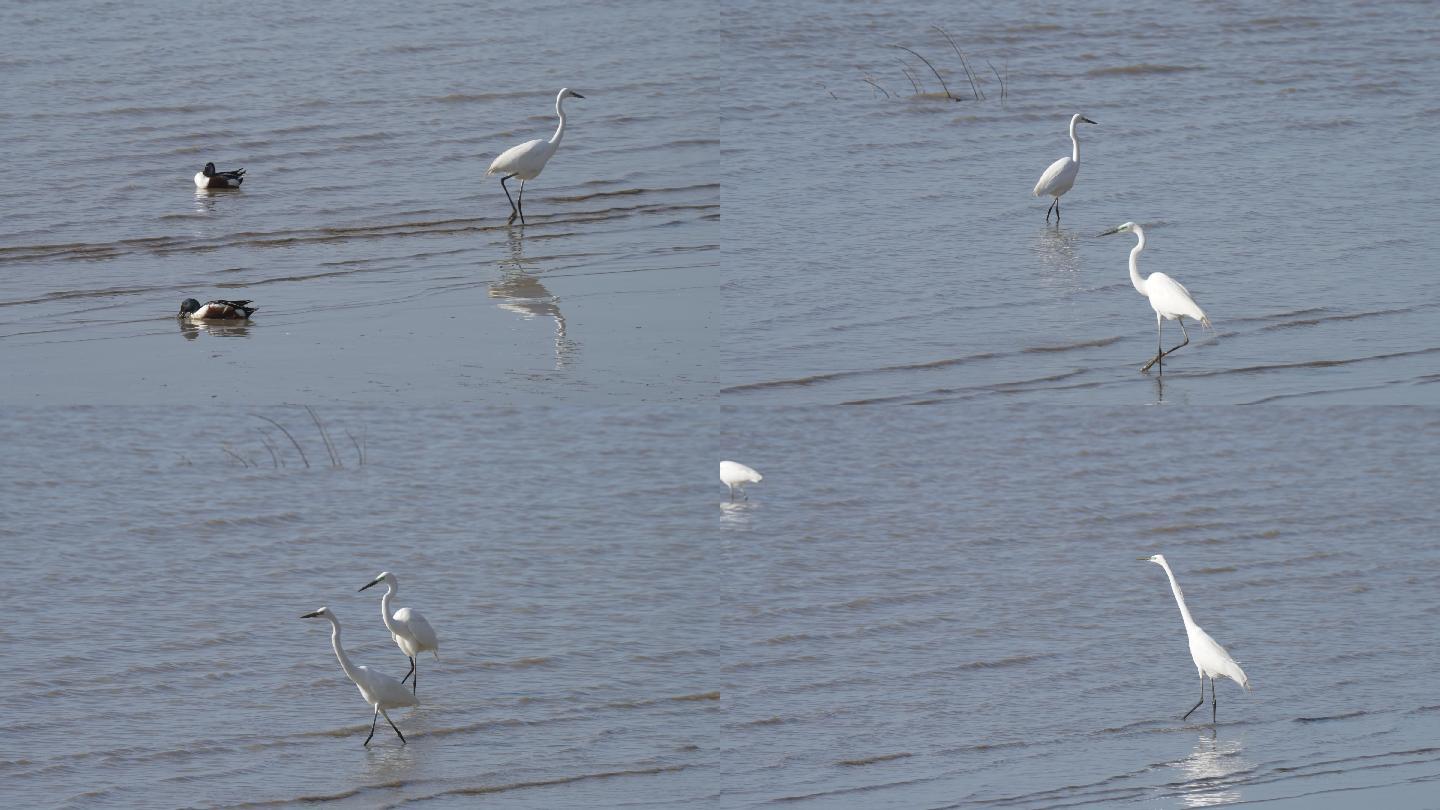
518	158
418	628
1058	178
1170	298
384	689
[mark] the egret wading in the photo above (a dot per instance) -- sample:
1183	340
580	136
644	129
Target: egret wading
527	160
735	475
1210	658
1061	175
1168	297
379	690
412	633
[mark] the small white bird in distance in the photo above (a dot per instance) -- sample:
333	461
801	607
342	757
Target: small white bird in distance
1168	297
527	160
379	690
1061	175
1210	658
735	475
412	633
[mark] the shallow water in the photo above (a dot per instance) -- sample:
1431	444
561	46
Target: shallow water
932	610
888	250
161	661
365	230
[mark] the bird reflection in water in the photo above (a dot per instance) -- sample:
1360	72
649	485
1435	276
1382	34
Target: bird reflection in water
736	513
522	293
1211	772
192	329
1059	250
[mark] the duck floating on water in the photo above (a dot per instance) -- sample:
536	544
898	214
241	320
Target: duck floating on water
193	310
209	178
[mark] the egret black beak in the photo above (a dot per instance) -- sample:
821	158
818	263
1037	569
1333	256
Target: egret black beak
311	615
1107	233
372	584
1143	559
575	94
1087	120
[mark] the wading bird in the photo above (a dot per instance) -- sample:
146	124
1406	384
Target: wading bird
527	160
1210	658
1061	175
412	633
379	690
191	309
209	178
735	475
1168	297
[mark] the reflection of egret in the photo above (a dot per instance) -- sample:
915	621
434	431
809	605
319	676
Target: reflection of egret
192	329
522	293
1059	250
736	513
1209	772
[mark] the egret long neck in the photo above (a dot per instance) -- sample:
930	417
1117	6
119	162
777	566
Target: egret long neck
1074	142
1140	288
385	609
560	130
345	663
1179	597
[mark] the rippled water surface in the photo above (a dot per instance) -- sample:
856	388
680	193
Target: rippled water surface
939	611
365	230
161	660
888	249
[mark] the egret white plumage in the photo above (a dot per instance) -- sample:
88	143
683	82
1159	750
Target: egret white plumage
735	475
379	690
1210	658
527	160
412	633
1168	297
211	179
1061	175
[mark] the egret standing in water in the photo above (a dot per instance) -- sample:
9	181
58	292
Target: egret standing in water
527	160
1168	297
735	475
379	690
1061	175
412	633
1210	658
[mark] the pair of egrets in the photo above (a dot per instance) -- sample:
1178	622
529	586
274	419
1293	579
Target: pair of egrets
1168	297
412	634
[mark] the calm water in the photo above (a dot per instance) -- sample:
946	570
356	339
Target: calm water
889	250
939	611
161	661
919	607
375	248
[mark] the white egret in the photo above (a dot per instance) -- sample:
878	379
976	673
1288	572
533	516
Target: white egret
209	178
1210	658
191	309
379	690
1168	297
412	633
735	475
527	160
1061	175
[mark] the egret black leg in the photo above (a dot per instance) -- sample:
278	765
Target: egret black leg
1181	321
1159	352
522	202
397	729
411	672
514	212
373	721
1213	709
1051	208
1199	703
1057	210
415	684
